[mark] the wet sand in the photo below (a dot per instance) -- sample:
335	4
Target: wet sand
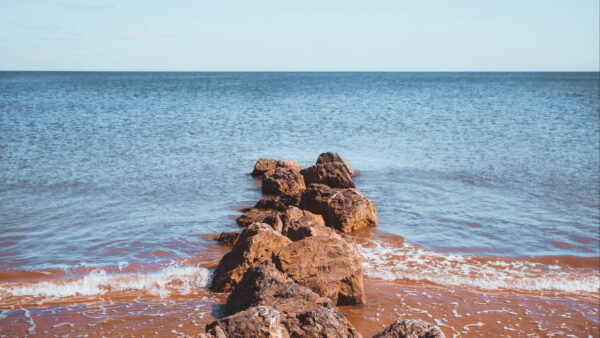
458	310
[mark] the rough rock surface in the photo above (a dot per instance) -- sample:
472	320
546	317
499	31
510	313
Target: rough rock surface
253	215
299	224
259	321
228	238
273	203
343	209
283	181
329	266
263	284
409	328
333	174
254	246
264	165
302	312
335	157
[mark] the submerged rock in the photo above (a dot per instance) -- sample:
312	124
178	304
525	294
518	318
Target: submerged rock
333	174
264	165
329	266
259	321
254	246
411	328
343	209
335	157
302	312
253	215
284	182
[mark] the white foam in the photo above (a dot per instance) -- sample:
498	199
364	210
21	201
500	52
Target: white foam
410	262
182	280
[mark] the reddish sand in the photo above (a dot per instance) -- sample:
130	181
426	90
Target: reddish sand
458	310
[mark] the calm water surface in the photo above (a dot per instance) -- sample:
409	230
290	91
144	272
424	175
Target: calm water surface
105	169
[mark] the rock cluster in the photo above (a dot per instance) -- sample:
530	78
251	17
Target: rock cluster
292	263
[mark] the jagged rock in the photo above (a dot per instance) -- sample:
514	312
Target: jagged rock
411	328
264	165
252	215
299	224
263	284
343	209
284	182
333	174
303	312
273	203
334	157
259	321
329	266
254	246
228	238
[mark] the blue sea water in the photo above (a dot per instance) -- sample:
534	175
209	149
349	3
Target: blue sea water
100	168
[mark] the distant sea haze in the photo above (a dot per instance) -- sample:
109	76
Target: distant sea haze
105	169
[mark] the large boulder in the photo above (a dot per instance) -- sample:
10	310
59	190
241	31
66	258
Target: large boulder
254	246
254	215
335	157
411	328
329	266
333	174
302	312
228	238
274	203
263	284
259	321
284	182
264	165
299	224
343	209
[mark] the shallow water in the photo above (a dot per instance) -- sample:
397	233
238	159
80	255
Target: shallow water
109	182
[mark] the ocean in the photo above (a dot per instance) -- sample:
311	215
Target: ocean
111	181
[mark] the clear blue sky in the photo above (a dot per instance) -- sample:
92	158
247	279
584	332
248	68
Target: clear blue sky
427	35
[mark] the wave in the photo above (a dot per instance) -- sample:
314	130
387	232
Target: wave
173	279
388	260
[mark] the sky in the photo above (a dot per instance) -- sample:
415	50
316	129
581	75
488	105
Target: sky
374	35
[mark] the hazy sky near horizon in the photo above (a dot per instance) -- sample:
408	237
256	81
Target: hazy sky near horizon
429	35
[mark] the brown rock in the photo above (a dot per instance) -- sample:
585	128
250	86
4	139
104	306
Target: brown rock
409	328
263	284
272	203
334	157
302	312
254	246
299	224
333	174
264	165
253	215
283	181
228	238
343	209
329	266
259	321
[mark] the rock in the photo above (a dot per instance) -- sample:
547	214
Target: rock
228	238
254	246
299	224
284	182
329	266
322	322
263	284
334	157
302	312
343	209
252	215
273	203
259	321
409	328
333	174
264	165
